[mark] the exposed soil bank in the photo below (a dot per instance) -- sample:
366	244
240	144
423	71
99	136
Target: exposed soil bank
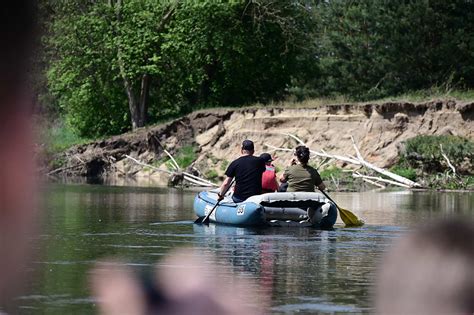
379	129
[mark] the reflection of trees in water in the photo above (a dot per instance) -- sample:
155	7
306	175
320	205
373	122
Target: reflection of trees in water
444	202
293	263
406	207
126	203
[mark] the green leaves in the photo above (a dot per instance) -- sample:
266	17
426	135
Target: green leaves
425	152
196	54
230	53
372	49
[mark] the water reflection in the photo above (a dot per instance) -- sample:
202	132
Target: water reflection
301	270
406	207
294	265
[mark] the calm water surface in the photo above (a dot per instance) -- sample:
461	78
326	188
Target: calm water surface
304	270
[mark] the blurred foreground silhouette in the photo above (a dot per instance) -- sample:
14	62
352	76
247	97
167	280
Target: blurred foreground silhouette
187	282
17	170
430	271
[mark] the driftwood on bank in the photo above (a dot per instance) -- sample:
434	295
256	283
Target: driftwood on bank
323	153
378	179
358	160
61	169
393	176
373	183
195	180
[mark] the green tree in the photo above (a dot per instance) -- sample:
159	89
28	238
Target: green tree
369	49
163	58
237	52
81	75
137	37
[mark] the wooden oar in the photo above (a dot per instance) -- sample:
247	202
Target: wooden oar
349	218
205	220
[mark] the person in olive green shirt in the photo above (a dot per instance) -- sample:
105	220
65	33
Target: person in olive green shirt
299	175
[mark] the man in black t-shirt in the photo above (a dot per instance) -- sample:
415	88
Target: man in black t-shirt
247	170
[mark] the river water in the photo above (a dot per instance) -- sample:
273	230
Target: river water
302	270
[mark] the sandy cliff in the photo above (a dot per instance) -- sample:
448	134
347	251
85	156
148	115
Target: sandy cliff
379	129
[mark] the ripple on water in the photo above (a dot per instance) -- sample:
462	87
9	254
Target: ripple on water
313	305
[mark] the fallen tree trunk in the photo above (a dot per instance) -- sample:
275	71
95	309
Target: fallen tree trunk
358	160
397	178
380	179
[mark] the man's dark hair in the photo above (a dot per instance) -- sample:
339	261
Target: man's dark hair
247	145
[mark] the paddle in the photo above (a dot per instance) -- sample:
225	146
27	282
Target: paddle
206	218
349	218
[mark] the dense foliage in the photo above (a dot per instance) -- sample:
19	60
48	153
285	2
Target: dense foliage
422	160
425	153
377	48
192	53
121	63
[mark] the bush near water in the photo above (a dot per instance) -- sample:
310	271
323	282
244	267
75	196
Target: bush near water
422	159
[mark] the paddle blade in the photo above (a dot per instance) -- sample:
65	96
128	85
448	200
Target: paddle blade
199	220
349	218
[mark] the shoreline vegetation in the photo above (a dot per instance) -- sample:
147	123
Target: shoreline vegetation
146	79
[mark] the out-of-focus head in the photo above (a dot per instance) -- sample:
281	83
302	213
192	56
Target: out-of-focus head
248	147
429	272
187	282
17	186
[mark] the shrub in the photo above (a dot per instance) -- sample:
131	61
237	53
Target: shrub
408	172
336	172
224	165
211	174
424	152
185	156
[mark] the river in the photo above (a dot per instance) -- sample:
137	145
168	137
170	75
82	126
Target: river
302	270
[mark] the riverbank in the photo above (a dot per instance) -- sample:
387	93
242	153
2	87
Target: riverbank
208	140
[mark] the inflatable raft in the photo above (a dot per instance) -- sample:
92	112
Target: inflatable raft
275	209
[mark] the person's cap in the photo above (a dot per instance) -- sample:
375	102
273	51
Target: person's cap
266	157
247	145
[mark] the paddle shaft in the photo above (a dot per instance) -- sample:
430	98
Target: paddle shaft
327	196
206	218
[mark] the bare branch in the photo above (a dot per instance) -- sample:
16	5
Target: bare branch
173	161
398	178
380	179
148	165
189	177
447	160
373	183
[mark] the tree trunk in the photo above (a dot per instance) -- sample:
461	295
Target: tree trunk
138	107
133	105
143	104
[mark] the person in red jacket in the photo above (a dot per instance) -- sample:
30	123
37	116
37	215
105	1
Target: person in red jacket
269	181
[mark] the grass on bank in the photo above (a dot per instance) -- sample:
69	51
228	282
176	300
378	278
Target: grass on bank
426	95
58	137
184	156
